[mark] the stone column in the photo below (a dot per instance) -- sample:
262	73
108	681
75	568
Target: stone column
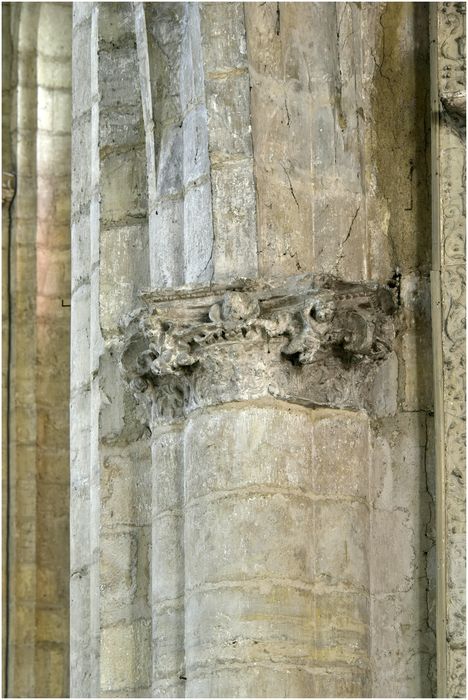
255	165
276	546
22	464
272	578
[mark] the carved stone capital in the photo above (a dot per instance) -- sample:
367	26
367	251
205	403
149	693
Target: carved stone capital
308	339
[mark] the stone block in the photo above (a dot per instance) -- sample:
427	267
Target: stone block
341	543
383	393
53	114
123	272
167	557
125	656
228	110
25	463
55	541
168	642
166	224
118	563
53	149
80	250
342	682
259	538
167	688
53	273
25	493
81	164
401	455
24	622
51	427
80	437
455	499
198	234
269	681
52	41
251	621
121	125
196	162
118	73
342	252
191	75
50	587
52	625
123	186
116	24
265	44
53	467
51	670
26	111
416	370
234	221
80	511
394	552
126	489
53	211
340	455
168	487
23	668
25	424
25	537
223	37
81	13
170	162
342	633
25	266
397	672
25	589
285	224
245	447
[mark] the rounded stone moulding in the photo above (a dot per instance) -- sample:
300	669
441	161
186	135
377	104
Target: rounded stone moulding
309	339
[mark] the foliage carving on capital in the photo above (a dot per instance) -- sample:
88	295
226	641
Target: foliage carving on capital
209	344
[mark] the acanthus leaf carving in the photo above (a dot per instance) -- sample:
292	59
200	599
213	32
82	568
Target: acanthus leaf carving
207	345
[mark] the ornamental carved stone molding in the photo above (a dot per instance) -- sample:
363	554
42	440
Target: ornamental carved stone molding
452	63
310	339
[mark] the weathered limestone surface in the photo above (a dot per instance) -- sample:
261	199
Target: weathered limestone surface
38	42
22	460
281	591
260	472
260	543
449	285
53	343
110	506
225	155
8	188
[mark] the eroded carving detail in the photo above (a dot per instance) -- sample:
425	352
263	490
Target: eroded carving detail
452	65
452	91
211	344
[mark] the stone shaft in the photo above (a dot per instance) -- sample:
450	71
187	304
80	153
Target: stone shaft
168	565
276	552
